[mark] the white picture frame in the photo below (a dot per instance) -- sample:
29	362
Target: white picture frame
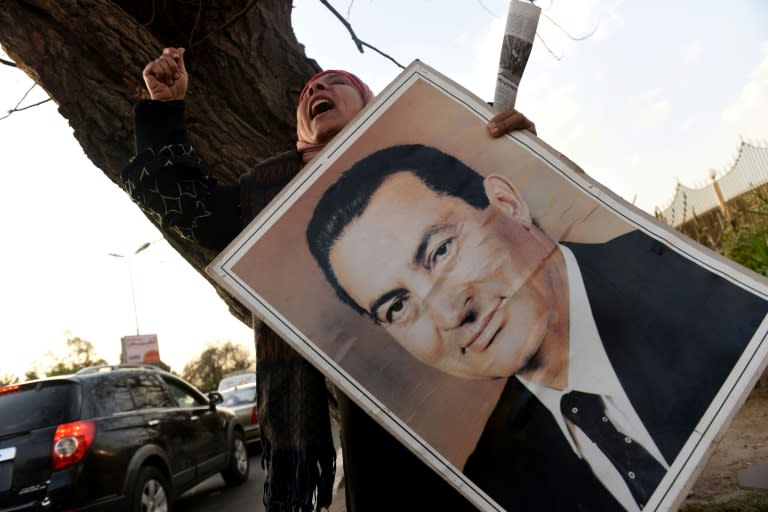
270	270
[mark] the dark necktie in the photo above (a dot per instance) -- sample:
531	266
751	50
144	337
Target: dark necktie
640	470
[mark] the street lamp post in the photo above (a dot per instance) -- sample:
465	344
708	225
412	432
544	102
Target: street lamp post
129	259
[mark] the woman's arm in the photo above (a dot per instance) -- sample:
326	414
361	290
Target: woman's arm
166	178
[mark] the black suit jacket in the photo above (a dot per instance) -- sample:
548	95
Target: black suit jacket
672	331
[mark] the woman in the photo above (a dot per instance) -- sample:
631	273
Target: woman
292	396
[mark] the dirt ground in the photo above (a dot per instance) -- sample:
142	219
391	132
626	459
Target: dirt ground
745	443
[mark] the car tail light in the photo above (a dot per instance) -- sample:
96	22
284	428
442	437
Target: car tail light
9	389
254	416
71	442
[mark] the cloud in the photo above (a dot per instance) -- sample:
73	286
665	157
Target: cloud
691	53
687	125
654	112
650	109
749	112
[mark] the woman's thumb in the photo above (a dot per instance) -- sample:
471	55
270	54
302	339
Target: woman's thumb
182	68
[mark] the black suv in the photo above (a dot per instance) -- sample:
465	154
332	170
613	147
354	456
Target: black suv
131	438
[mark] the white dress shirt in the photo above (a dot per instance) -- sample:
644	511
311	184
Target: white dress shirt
590	371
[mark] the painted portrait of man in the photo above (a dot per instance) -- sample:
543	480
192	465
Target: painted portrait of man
535	340
452	265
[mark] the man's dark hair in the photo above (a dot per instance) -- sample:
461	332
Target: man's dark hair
348	198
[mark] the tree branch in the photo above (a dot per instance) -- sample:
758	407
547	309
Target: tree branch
217	29
17	109
358	42
8	63
574	38
24	108
552	21
546	46
486	9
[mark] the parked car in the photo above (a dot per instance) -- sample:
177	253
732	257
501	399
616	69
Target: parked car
233	379
132	438
242	401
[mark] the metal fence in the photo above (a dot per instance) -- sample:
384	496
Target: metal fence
703	213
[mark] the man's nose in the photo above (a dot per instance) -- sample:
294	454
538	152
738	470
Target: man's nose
450	308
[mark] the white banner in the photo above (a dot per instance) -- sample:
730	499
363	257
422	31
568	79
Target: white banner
140	349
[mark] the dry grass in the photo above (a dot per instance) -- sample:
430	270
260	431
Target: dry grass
742	501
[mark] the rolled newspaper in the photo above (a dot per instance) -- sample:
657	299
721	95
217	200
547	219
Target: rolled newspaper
522	20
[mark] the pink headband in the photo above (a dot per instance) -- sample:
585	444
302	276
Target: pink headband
364	90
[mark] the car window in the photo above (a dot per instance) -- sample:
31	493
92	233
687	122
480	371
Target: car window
29	407
239	396
149	392
111	396
230	380
184	396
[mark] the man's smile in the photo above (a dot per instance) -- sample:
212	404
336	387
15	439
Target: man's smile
490	326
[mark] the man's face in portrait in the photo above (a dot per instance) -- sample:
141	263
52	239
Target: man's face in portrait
464	290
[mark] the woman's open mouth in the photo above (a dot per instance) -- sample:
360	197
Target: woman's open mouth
320	106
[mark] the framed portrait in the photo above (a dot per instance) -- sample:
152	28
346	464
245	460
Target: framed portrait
535	339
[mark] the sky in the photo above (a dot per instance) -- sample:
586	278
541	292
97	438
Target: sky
659	93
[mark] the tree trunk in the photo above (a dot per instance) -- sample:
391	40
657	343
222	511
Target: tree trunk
245	65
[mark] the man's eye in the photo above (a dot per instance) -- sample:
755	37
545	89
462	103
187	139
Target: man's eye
397	309
440	252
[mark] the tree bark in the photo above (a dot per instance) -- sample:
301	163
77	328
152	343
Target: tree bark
245	65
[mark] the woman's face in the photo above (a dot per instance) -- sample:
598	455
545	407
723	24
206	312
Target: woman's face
328	104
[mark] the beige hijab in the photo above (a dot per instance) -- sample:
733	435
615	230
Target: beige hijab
308	149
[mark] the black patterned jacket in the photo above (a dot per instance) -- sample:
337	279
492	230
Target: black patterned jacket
172	185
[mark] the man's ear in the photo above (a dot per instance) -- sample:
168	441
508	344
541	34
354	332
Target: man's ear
504	197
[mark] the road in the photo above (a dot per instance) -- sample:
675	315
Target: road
214	495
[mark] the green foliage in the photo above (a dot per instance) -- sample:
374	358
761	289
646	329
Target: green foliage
7	379
747	246
746	243
214	362
80	354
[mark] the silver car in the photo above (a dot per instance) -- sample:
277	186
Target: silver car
242	401
233	379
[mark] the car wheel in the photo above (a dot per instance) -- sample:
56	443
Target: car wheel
151	492
239	463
